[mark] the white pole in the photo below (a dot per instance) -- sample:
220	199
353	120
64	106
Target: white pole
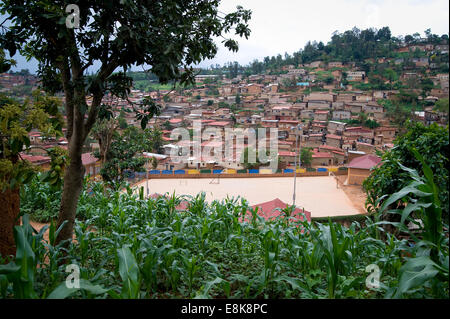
297	150
147	183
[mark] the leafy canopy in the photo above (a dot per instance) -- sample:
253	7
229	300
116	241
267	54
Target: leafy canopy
16	121
167	35
432	142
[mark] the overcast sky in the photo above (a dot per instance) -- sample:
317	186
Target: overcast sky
286	25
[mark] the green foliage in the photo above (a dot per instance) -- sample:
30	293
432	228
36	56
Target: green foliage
125	152
442	105
306	156
432	143
16	121
423	209
223	249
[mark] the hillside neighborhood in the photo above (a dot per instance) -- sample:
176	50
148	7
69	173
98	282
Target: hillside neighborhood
318	106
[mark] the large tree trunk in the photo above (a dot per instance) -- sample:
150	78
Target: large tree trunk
9	211
73	183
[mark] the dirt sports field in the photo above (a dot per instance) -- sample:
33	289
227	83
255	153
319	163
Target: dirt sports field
318	195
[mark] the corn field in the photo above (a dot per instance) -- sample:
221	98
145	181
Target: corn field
129	247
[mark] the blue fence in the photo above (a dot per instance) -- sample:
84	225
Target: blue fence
322	169
179	171
167	172
253	171
217	171
155	172
288	170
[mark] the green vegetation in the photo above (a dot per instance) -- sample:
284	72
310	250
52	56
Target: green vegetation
124	153
109	37
306	156
442	105
129	247
432	142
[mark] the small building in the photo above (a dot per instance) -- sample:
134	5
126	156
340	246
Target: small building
271	210
91	164
360	168
334	140
341	115
322	158
321	115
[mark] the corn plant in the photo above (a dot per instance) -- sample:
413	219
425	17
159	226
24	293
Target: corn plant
422	195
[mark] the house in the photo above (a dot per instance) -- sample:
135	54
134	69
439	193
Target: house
336	127
356	75
322	158
365	147
346	97
316	64
334	140
319	105
318	127
273	88
282	111
297	72
42	162
287	158
320	115
359	134
320	96
312	140
336	64
220	124
338	157
254	88
420	62
387	132
341	115
360	168
271	210
176	122
91	164
307	114
372	107
354	107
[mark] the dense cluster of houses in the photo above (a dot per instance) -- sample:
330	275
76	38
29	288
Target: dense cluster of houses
307	104
316	120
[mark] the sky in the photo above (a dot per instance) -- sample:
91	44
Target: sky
287	25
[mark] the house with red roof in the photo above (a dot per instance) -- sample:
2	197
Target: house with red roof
321	158
37	160
286	157
269	210
360	168
334	140
91	164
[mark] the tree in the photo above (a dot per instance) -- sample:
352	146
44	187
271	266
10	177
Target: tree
154	162
432	142
103	131
426	85
442	105
306	156
391	75
17	120
238	99
409	39
112	35
123	154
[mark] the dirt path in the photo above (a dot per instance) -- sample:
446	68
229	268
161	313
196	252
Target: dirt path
354	192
